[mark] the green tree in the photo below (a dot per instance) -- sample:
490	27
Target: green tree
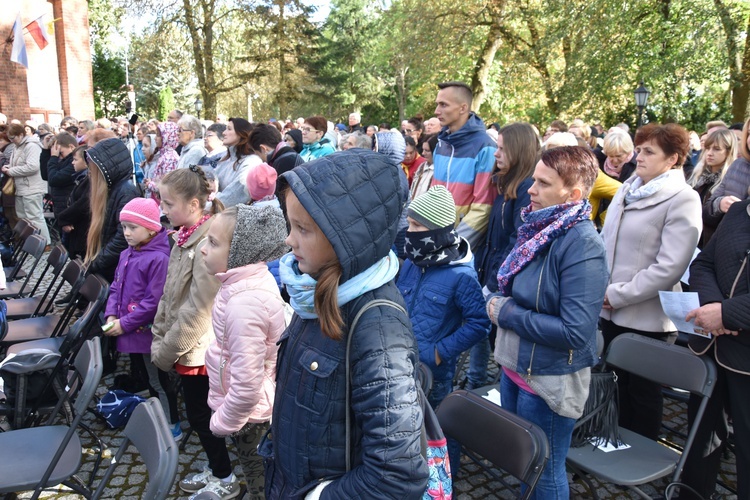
166	103
108	73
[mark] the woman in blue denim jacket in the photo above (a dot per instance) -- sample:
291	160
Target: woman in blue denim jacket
550	291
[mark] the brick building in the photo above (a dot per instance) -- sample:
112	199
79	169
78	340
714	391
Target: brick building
58	80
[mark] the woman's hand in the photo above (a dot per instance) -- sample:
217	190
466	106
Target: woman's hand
708	317
5	170
67	229
726	202
494	304
606	304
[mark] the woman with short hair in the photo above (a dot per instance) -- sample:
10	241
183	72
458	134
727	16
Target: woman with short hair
619	150
650	233
315	143
550	290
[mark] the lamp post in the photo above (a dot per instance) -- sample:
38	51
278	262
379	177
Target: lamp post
641	99
198	106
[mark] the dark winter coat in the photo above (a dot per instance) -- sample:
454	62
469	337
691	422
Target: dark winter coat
712	275
136	290
355	199
447	310
283	160
505	219
77	213
112	158
60	173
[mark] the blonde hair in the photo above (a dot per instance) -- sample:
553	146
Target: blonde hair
616	143
191	183
725	138
99	197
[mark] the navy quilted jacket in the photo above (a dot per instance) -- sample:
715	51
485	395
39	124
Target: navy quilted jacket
355	199
447	311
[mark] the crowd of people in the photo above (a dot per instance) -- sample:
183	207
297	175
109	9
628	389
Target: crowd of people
240	252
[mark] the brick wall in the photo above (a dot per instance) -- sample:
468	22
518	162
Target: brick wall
73	60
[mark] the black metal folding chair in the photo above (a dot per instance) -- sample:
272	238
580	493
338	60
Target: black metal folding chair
31	307
33	248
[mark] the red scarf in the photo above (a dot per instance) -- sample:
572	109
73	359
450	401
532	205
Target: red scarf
184	234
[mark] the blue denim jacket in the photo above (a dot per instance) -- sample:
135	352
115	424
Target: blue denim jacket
555	303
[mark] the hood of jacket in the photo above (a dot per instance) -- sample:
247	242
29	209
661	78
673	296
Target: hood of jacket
392	144
158	244
467	133
355	198
297	136
170	135
113	159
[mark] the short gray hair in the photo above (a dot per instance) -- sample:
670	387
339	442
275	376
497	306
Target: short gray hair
361	140
189	122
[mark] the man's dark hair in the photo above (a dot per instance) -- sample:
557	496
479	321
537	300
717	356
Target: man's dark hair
464	91
385	125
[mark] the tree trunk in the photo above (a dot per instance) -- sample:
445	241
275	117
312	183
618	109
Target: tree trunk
741	91
484	63
401	92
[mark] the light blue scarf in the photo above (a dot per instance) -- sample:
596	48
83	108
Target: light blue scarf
301	287
638	190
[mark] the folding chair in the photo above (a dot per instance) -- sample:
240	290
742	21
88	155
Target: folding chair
33	248
55	261
22	230
31	307
147	429
647	460
487	431
94	290
41	457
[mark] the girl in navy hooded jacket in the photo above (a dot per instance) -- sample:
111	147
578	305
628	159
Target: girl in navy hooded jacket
343	211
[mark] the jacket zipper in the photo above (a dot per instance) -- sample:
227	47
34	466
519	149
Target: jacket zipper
538	292
416	289
221	372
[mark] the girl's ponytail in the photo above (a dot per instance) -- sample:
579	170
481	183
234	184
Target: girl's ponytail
326	300
191	183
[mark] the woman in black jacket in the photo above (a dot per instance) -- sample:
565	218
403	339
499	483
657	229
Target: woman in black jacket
110	174
721	276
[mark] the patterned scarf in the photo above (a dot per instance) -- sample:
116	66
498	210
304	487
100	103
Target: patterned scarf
168	157
613	171
538	231
301	287
185	233
432	248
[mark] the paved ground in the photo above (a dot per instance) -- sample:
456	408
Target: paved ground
129	479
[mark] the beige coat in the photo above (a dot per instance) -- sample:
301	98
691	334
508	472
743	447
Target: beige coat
25	169
182	327
649	245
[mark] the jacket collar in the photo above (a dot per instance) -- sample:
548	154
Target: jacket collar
242	273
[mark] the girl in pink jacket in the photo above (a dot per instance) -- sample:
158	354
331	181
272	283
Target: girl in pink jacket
248	320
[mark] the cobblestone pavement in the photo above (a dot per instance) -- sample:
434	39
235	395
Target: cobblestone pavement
130	477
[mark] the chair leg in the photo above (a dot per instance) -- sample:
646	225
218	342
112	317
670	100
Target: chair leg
585	478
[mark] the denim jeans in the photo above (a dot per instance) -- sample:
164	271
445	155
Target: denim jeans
478	360
553	484
440	390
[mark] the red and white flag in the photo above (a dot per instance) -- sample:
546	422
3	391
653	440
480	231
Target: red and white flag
38	30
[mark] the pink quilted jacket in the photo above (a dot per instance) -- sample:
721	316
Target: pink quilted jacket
248	319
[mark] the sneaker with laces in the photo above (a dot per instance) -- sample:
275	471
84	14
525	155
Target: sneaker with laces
216	489
177	432
197	481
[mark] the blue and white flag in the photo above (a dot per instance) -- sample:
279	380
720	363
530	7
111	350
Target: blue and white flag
18	53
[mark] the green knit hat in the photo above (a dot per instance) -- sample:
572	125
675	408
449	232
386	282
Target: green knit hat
435	209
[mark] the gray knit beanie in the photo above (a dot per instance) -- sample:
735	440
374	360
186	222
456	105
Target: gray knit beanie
258	236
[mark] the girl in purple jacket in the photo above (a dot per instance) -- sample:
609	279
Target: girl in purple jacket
135	293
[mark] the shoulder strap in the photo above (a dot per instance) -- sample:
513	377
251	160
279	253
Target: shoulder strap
352	329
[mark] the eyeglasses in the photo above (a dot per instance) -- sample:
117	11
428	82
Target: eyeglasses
184	130
307	130
408	131
208	136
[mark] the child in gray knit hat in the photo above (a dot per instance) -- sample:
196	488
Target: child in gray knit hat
248	319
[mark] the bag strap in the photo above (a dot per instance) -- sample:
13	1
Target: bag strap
352	329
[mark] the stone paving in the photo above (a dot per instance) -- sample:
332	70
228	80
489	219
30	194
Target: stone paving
130	477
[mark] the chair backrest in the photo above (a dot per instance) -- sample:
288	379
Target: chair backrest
88	366
33	247
73	274
508	441
147	429
19	229
663	363
55	261
94	290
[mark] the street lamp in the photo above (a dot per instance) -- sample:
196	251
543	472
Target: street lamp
641	98
198	106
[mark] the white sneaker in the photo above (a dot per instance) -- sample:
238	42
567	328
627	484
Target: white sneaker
216	489
197	481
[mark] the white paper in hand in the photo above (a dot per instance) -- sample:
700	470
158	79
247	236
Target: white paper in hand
677	305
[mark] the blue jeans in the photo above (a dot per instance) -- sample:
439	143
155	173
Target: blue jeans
440	390
478	360
553	484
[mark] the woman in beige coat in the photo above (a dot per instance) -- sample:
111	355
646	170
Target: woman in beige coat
25	170
650	233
